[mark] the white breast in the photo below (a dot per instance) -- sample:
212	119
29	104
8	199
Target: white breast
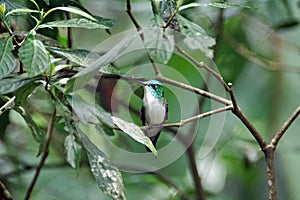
155	115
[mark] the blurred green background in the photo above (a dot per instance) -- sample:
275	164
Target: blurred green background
258	50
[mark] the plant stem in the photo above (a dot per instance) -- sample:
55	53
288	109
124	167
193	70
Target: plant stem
44	156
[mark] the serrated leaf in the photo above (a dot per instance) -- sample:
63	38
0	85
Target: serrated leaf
160	44
37	133
101	23
107	176
7	59
9	85
73	151
89	113
79	56
135	132
34	56
107	58
196	36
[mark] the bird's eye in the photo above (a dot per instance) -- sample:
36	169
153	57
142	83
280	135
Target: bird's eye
153	86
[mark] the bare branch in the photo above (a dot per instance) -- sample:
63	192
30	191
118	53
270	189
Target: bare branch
284	127
44	156
196	90
204	66
196	117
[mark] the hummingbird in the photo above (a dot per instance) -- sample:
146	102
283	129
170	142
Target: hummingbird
154	110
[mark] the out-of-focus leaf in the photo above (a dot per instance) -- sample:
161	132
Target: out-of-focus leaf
217	5
34	56
26	90
11	5
108	177
101	23
9	85
135	132
196	36
79	56
73	151
160	44
7	59
89	113
166	10
107	58
36	132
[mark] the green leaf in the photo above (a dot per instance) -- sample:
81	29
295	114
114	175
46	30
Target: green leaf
89	113
108	177
34	56
7	59
81	23
72	10
107	58
196	36
9	85
79	56
160	44
135	132
37	133
217	5
20	11
73	151
166	10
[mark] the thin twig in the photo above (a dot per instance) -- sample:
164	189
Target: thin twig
4	193
203	65
132	18
284	127
196	90
44	156
196	117
7	105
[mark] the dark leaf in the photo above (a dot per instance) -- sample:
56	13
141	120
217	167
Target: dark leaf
7	59
9	85
34	56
